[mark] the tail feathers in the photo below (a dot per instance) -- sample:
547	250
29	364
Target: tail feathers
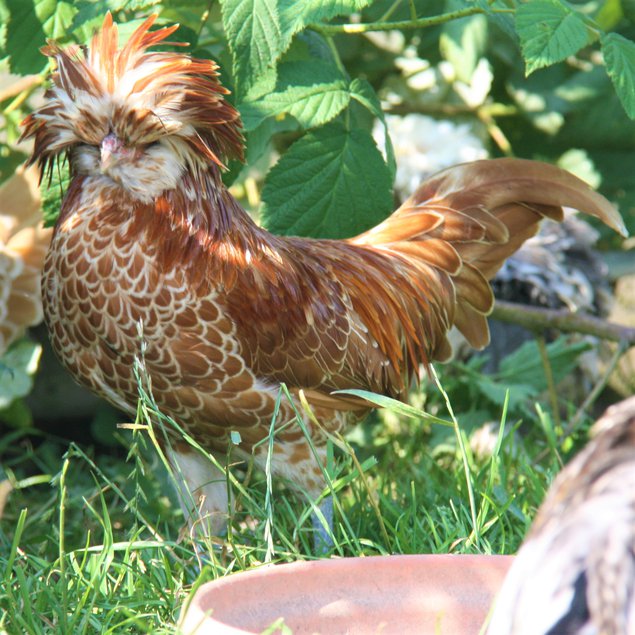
493	183
467	220
521	222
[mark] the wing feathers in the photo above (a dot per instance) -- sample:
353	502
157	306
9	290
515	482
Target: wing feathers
368	311
488	209
432	251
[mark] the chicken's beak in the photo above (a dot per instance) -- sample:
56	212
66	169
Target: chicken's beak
109	147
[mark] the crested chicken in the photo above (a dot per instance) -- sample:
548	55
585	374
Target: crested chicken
148	235
575	572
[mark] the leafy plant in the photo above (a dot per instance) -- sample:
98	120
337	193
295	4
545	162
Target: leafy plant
312	79
17	367
309	79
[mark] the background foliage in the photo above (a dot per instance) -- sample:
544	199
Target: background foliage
98	548
308	76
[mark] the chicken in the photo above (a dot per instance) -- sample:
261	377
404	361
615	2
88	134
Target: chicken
575	573
23	246
148	235
556	268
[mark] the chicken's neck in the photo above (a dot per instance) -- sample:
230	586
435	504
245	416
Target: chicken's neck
198	226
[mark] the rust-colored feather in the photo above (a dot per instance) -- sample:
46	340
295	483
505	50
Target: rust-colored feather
148	235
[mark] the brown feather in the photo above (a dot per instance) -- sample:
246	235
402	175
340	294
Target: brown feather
228	310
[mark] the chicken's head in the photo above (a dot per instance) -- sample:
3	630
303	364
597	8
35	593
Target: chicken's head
137	118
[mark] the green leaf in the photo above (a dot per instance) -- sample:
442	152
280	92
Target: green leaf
294	15
497	391
10	159
255	40
364	93
31	22
17	367
579	162
609	14
309	91
332	183
549	32
260	31
463	43
90	14
17	415
318	10
257	140
4	18
619	57
524	365
394	405
52	191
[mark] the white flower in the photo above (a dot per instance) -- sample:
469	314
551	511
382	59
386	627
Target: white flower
424	145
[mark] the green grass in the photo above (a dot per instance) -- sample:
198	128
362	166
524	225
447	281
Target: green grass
96	542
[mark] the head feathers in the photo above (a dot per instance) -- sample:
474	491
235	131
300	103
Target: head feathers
139	95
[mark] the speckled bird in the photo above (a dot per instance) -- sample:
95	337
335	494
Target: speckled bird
575	573
148	234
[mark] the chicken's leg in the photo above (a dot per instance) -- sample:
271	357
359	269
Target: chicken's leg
202	490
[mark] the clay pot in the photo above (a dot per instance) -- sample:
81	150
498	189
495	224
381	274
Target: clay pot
436	594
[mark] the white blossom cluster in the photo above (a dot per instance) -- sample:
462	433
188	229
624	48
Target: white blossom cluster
424	145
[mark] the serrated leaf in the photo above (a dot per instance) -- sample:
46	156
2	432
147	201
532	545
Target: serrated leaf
90	13
364	93
30	24
255	40
619	58
309	91
257	140
549	31
96	9
332	183
294	15
17	367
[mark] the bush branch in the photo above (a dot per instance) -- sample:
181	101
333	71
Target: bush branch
537	319
418	23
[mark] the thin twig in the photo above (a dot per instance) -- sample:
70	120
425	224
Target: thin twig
597	389
419	23
495	132
21	89
537	319
490	109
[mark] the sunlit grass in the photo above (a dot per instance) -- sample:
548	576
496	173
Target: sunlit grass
98	543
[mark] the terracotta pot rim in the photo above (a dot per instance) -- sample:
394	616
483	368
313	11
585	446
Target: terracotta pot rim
351	594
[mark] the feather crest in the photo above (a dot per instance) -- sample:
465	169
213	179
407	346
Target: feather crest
141	95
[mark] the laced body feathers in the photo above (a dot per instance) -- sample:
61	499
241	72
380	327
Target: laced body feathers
149	235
